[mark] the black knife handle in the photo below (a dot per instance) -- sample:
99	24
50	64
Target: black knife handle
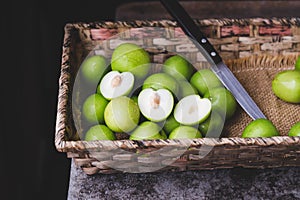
191	29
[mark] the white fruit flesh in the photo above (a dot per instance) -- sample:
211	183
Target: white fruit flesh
192	110
115	84
155	105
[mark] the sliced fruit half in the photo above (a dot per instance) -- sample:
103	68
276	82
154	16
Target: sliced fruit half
155	105
192	110
115	84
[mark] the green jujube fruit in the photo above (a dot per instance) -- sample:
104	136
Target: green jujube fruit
295	130
260	128
129	57
99	132
148	131
204	80
93	108
286	86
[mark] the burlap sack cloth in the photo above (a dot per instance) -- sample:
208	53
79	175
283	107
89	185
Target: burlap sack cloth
256	74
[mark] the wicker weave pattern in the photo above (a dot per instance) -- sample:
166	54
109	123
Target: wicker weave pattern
233	38
248	46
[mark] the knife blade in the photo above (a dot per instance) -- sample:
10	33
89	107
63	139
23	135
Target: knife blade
225	75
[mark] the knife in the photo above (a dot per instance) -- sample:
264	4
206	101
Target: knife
217	65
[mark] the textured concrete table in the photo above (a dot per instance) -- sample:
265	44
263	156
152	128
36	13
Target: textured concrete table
276	183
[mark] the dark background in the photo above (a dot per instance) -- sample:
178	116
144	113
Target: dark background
31	44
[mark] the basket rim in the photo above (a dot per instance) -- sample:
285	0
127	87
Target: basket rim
63	145
172	23
84	146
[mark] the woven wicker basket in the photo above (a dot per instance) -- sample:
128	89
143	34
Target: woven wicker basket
254	49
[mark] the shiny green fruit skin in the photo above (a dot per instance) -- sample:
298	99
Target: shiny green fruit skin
204	80
170	124
286	86
295	130
161	81
260	128
178	67
297	64
93	108
122	114
93	68
187	132
186	89
129	57
135	99
99	132
212	126
222	101
148	131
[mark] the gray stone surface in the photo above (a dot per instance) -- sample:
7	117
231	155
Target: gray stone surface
237	183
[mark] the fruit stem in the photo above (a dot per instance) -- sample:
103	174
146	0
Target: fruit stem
155	100
116	81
